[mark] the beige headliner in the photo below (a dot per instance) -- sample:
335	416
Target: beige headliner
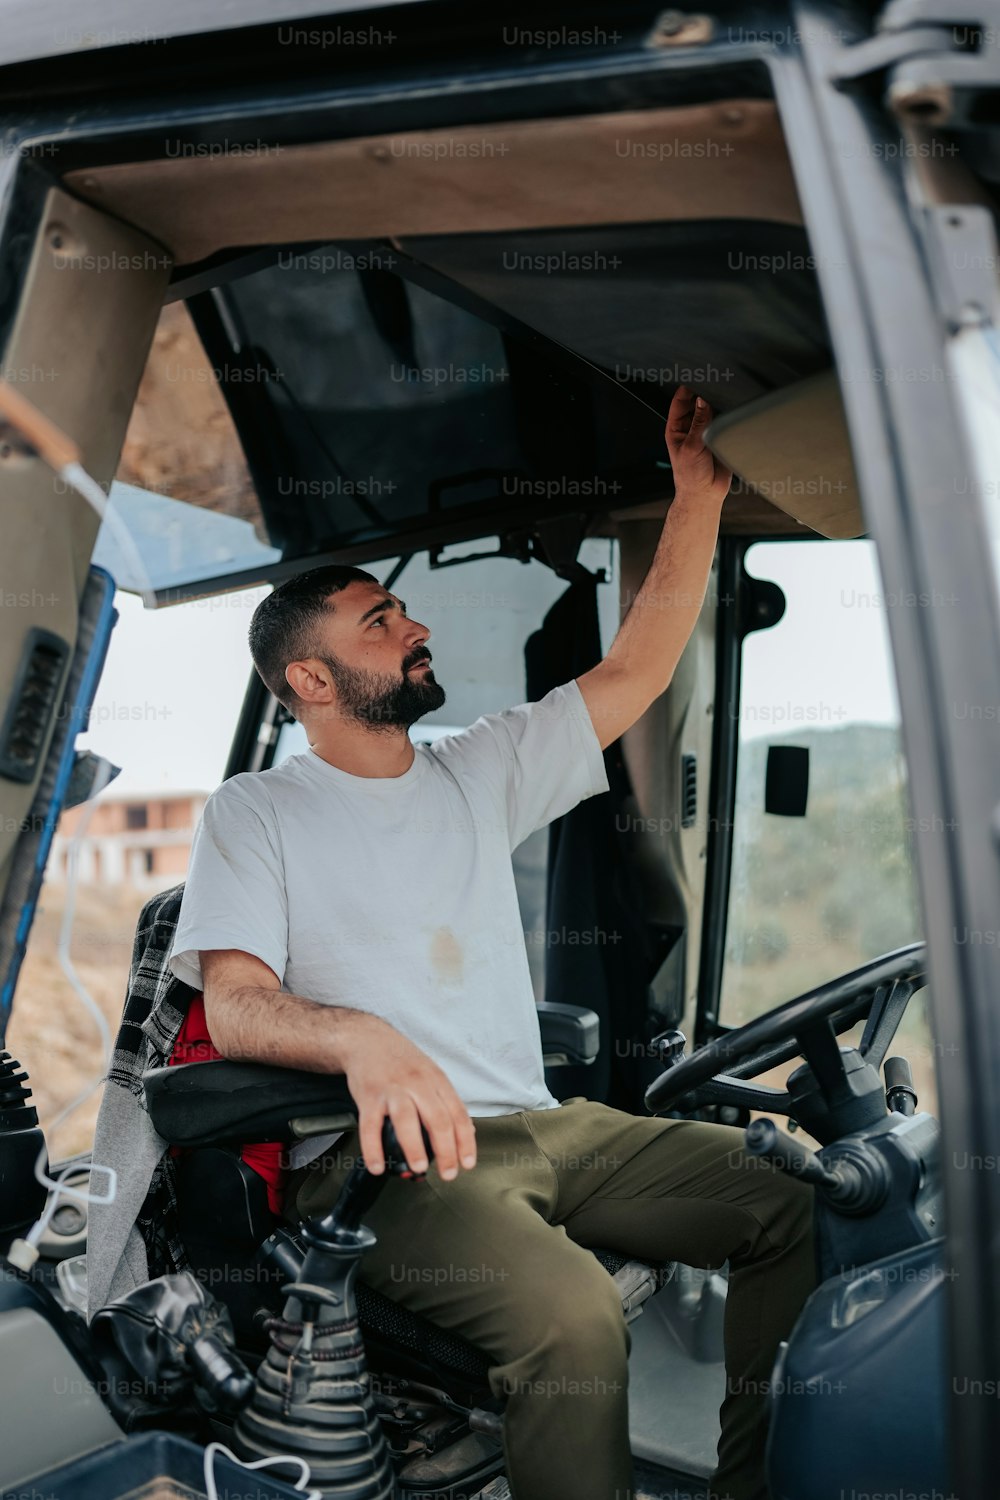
725	160
792	446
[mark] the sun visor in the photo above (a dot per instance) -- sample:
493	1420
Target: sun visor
792	447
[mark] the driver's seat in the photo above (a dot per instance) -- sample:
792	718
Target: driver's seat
208	1207
244	1254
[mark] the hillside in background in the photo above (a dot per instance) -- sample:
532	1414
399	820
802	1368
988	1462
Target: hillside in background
815	897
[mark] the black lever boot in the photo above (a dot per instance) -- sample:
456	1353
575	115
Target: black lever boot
312	1397
165	1345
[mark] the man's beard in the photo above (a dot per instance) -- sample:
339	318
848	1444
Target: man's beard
381	702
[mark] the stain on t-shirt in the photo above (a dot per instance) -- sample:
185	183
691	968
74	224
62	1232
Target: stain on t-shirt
446	955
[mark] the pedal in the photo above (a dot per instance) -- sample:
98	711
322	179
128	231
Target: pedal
636	1281
497	1489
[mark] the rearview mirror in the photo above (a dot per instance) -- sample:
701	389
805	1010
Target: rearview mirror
786	784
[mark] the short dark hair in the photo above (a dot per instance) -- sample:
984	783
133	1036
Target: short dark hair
283	626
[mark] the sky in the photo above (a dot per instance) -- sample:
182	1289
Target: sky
174	680
169	697
827	662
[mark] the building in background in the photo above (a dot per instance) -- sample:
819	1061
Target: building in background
139	839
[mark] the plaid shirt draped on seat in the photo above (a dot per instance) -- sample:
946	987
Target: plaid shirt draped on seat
155	1008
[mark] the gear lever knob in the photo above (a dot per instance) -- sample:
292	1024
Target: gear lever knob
395	1156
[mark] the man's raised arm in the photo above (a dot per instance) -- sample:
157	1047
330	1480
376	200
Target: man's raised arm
251	1019
645	652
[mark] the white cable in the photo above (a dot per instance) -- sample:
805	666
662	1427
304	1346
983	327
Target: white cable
213	1449
77	477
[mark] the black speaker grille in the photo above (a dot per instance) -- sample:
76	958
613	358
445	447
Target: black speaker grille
689	790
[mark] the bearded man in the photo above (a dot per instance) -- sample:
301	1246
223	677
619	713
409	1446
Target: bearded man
353	910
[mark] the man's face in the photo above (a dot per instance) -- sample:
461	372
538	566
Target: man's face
378	659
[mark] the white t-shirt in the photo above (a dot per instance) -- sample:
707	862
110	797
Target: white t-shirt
396	895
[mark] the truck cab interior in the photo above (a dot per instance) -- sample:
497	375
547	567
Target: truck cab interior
421	305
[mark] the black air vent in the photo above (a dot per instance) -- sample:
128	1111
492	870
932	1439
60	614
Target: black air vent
32	704
689	790
15	1111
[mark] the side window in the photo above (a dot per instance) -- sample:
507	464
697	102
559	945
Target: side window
813	897
480	615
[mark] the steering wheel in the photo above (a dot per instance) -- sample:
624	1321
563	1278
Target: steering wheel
807	1026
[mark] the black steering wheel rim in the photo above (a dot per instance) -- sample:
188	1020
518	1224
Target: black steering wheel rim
843	1001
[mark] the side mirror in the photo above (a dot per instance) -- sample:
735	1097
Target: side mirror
786	785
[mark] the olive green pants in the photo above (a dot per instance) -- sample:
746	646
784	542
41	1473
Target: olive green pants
498	1255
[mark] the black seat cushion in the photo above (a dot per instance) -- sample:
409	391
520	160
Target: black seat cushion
202	1104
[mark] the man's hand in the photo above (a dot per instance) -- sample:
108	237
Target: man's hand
250	1018
696	469
388	1075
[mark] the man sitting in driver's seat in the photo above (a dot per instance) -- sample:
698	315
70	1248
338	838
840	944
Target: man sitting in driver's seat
353	910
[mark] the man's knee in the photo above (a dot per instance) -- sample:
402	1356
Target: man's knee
587	1313
784	1208
573	1330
